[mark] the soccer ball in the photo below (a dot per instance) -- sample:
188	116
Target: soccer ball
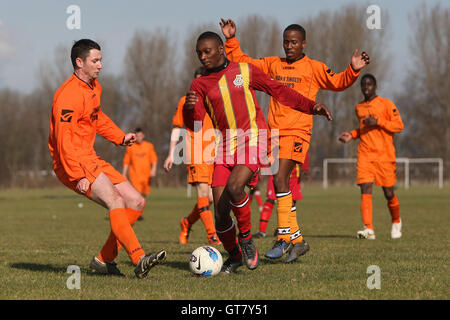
205	261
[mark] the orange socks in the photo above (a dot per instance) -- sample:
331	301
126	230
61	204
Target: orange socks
394	209
194	215
296	235
283	212
206	215
366	210
122	234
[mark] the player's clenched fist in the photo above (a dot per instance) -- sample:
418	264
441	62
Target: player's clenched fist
321	110
83	185
191	100
345	137
129	139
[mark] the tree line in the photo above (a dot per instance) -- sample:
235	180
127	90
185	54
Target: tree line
157	71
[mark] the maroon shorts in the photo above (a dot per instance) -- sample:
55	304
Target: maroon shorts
224	165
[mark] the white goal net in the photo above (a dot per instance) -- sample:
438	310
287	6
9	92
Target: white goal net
409	171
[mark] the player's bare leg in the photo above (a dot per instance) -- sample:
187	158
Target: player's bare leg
108	195
133	198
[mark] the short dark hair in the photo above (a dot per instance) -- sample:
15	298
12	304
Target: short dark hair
371	76
296	27
210	35
199	70
138	129
81	48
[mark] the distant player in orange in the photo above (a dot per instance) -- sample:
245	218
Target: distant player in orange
199	174
140	162
76	119
307	77
294	187
379	119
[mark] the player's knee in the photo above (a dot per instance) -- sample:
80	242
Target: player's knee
280	184
116	201
202	190
235	191
137	202
389	194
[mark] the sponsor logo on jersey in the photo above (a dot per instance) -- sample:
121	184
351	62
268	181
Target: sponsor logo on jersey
66	115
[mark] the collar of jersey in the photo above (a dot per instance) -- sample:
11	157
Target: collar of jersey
219	68
299	59
84	82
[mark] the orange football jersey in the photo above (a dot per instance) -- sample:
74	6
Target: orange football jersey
377	142
305	76
140	157
75	120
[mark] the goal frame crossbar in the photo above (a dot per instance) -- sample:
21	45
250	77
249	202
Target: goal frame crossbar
405	161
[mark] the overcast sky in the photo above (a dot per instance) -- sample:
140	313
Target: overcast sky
30	30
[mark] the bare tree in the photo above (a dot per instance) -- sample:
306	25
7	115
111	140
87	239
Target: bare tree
332	36
150	83
425	100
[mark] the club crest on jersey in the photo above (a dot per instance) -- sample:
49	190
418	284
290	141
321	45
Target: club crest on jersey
238	81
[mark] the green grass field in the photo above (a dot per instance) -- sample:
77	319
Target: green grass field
45	231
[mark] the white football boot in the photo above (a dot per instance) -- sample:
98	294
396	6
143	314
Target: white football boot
396	231
366	234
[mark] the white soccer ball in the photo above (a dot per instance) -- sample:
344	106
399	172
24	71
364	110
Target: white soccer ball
205	261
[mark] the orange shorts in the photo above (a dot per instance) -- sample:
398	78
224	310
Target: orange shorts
293	148
141	185
384	173
200	173
91	175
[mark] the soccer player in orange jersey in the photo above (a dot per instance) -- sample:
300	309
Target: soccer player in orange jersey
140	162
199	174
76	119
379	119
307	77
226	91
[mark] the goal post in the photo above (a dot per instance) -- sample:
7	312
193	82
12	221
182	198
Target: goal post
406	161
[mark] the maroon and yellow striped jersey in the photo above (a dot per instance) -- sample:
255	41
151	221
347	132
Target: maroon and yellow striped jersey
228	96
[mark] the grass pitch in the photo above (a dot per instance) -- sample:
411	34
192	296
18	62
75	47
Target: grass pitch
45	231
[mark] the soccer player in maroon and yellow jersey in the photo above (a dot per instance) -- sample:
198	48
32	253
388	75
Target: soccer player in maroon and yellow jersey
379	120
306	76
76	119
200	169
227	93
